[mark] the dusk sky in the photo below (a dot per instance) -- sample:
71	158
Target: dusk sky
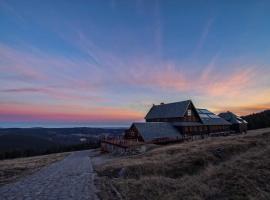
106	62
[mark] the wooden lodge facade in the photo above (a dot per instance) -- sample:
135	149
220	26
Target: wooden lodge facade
182	117
175	122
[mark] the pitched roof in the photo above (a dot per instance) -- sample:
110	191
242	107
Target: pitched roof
154	130
232	118
209	118
169	110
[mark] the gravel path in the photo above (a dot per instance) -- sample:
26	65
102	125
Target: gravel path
71	178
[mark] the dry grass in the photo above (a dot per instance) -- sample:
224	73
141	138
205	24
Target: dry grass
234	167
12	169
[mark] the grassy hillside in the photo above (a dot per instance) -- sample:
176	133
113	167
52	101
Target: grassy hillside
23	142
12	169
233	167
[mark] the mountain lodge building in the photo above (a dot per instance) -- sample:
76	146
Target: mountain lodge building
174	122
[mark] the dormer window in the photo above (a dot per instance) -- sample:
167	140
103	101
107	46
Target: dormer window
189	112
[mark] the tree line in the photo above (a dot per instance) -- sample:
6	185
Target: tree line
258	120
16	153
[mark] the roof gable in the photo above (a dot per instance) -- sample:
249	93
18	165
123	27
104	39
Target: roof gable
170	110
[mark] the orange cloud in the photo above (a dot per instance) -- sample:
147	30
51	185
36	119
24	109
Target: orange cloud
76	80
246	109
26	112
53	93
207	83
167	77
222	85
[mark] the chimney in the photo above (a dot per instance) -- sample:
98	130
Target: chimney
161	103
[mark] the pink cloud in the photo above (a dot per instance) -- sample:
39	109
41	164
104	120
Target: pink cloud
76	80
232	83
39	68
242	110
53	93
19	64
203	36
210	81
153	75
165	78
14	112
23	90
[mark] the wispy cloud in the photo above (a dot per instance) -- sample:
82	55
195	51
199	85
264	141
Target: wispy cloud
158	28
245	109
210	81
233	83
76	80
80	74
19	90
54	93
40	67
203	37
34	75
97	64
167	77
22	112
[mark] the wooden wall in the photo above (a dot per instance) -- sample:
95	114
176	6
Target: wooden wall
133	134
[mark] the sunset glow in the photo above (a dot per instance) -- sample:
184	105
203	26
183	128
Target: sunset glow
109	61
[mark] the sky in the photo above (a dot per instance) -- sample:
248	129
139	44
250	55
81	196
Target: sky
106	62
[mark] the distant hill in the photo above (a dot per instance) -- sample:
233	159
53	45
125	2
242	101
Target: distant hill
258	120
11	142
21	142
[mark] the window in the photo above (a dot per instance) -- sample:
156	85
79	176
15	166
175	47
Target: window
188	112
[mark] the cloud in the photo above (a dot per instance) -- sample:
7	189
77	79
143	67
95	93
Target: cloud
32	74
17	64
34	66
233	83
39	76
55	94
158	28
19	90
242	110
92	82
78	74
203	36
34	112
208	71
211	81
